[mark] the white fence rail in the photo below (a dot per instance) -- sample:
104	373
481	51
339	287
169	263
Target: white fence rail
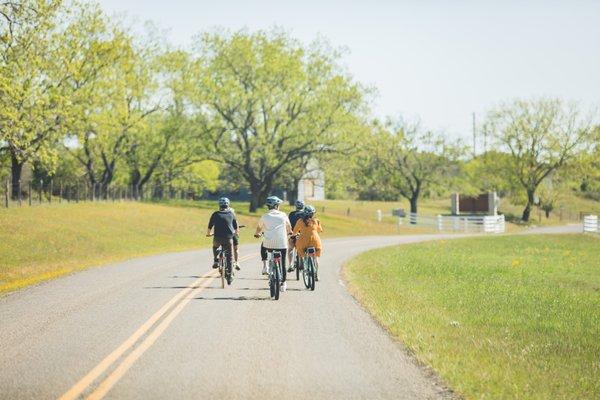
458	223
590	224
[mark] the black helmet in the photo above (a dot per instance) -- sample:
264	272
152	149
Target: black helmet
224	202
273	201
299	205
309	211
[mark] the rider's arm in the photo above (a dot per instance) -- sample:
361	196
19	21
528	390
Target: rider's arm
235	225
319	226
288	227
211	224
259	228
298	227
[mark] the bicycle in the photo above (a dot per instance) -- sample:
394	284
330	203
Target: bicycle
309	271
225	270
275	273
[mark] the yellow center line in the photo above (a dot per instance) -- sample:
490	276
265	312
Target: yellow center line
76	390
132	357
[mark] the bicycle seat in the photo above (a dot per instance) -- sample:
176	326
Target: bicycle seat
277	255
311	250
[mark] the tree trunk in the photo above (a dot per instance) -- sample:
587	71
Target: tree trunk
16	169
259	192
413	203
530	201
293	192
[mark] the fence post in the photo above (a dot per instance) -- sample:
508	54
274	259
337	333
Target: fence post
60	192
29	192
40	191
6	194
440	223
20	194
51	190
77	192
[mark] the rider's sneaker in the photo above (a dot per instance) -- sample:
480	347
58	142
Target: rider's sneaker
316	277
284	286
215	265
291	269
237	266
264	271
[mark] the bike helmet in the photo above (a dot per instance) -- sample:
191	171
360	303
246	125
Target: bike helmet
309	211
273	201
299	205
224	202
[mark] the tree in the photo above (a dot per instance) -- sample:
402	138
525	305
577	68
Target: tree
409	161
173	139
112	83
270	103
541	136
32	100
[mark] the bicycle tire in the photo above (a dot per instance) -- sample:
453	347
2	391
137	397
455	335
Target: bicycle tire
305	276
311	273
276	280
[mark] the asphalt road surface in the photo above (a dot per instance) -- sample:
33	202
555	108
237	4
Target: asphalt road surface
162	328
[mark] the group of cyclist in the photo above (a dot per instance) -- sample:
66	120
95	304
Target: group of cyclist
280	232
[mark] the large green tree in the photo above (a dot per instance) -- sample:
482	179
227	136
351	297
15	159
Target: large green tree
32	82
270	102
403	159
541	136
113	84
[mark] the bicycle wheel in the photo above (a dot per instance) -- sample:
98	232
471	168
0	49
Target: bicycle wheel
297	266
277	282
228	275
305	275
311	273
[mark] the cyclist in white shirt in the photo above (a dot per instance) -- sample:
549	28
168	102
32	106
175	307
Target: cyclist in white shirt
275	227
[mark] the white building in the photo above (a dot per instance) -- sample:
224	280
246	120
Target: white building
312	184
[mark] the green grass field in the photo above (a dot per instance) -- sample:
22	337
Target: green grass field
43	242
509	317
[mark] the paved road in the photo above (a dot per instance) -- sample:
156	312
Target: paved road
161	327
153	328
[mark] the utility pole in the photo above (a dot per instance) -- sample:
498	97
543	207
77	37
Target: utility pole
474	137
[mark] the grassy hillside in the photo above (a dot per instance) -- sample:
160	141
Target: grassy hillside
43	242
498	317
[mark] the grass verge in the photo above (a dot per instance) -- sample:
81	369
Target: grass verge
497	317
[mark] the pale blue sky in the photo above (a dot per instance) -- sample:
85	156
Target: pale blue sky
438	60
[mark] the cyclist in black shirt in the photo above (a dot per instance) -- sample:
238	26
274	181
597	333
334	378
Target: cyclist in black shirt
294	217
225	226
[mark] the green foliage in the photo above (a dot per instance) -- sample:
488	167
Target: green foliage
541	136
405	160
272	104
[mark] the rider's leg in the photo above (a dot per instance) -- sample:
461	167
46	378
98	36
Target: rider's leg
263	256
283	263
215	247
236	252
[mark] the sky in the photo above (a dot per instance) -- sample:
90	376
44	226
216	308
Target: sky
437	61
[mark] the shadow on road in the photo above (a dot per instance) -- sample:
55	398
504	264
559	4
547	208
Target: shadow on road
239	298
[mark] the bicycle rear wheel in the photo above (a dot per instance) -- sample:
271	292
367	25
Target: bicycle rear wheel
311	273
305	275
274	281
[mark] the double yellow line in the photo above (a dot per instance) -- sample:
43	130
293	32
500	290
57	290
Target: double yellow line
169	311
